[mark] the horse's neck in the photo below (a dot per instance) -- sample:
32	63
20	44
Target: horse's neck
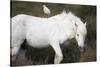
76	20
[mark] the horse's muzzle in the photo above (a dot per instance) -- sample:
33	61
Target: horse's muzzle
82	49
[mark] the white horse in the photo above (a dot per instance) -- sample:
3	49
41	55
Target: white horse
42	32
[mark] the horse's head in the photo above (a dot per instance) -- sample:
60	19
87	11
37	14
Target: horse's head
80	32
80	35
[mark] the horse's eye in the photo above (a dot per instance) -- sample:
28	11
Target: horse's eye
77	34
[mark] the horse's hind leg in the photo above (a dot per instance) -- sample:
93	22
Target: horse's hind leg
58	56
14	52
16	44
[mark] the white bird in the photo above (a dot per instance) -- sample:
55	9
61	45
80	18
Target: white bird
46	10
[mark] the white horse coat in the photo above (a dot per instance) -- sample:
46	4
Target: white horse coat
42	32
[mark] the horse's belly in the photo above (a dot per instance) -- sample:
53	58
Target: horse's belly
38	34
38	43
37	40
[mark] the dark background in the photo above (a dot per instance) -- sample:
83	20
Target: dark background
29	55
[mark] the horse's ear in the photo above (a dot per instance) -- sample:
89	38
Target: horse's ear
85	23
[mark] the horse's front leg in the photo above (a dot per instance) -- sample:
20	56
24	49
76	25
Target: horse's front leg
58	53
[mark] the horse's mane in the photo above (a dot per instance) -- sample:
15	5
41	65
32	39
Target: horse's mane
70	16
78	21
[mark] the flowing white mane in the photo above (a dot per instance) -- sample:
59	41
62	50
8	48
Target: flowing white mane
78	21
72	18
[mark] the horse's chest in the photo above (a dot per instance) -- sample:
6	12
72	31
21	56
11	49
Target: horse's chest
37	40
62	38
